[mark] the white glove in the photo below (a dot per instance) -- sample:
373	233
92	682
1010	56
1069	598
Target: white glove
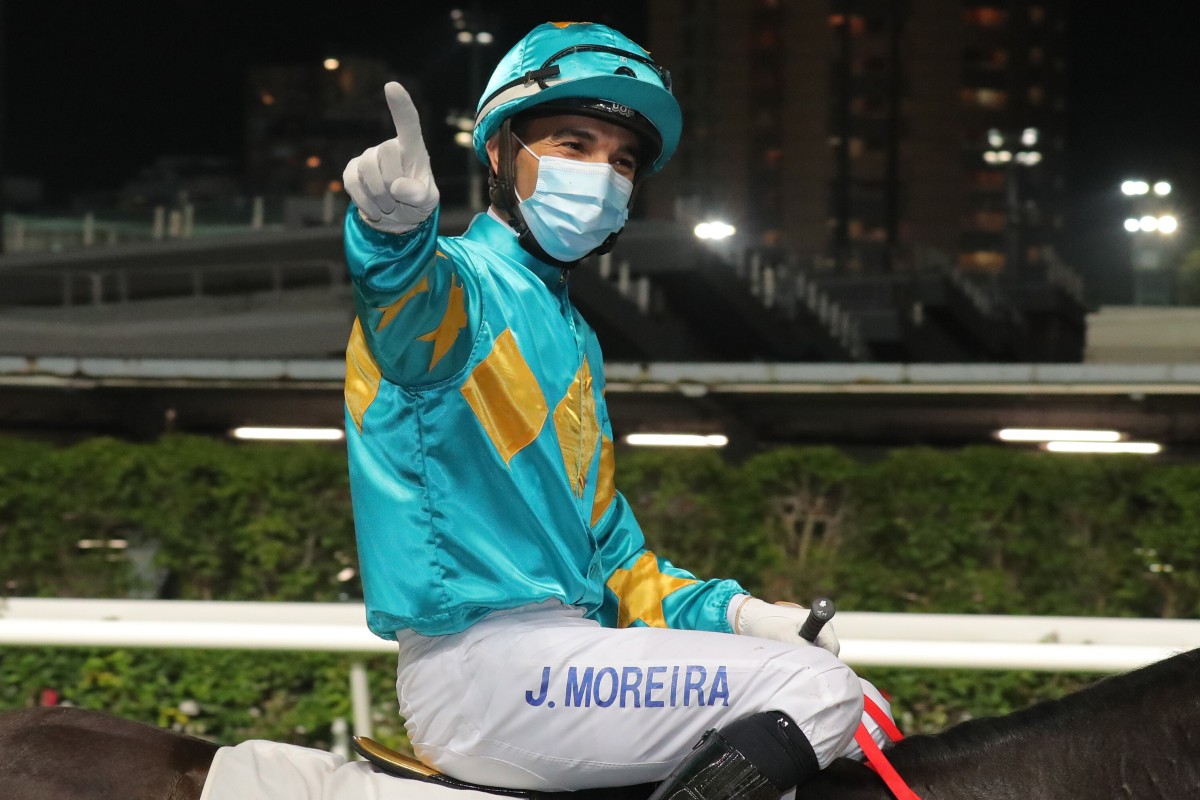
780	622
391	183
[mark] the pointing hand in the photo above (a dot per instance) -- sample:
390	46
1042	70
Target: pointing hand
391	183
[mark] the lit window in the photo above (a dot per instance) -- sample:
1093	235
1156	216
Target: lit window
985	17
984	261
1037	15
1036	95
986	179
984	98
984	221
268	99
985	57
858	25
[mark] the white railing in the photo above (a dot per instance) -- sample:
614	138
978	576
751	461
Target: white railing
1085	644
976	641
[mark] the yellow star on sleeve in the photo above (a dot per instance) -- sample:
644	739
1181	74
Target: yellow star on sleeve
641	590
446	333
390	312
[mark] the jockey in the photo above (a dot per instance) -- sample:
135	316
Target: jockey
541	644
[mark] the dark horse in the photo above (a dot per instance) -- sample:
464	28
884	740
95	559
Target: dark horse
1135	736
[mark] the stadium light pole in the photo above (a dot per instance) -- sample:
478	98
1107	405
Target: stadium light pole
469	31
1003	152
1153	228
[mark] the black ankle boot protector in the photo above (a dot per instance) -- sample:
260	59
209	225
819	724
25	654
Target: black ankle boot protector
756	758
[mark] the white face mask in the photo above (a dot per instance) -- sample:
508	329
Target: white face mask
575	205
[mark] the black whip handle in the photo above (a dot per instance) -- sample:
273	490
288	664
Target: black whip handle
821	612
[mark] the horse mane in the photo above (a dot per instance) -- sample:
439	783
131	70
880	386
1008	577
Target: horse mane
1178	677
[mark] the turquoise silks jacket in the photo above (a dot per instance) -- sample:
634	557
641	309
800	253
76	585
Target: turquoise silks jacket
480	448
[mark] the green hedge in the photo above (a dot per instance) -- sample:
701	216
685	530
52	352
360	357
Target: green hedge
982	530
223	695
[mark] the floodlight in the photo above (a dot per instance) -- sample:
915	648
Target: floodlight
1051	434
1136	448
714	230
677	440
289	434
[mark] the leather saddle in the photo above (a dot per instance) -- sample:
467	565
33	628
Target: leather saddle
405	766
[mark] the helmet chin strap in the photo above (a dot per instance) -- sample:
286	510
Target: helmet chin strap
502	191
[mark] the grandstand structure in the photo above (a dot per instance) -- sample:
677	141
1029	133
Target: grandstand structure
207	333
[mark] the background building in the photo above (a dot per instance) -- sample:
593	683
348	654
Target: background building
854	132
305	121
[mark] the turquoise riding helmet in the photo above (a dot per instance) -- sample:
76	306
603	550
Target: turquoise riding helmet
582	67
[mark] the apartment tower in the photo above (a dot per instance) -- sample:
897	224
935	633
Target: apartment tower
870	135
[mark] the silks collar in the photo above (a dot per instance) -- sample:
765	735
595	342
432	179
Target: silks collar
490	230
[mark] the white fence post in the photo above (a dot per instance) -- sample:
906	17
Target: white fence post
327	208
257	213
623	278
340	746
643	294
360	699
17	244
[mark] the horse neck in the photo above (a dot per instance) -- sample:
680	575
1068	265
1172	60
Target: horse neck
1136	733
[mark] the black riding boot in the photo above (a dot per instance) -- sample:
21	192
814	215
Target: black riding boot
756	758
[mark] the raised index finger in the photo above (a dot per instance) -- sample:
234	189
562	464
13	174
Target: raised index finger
404	114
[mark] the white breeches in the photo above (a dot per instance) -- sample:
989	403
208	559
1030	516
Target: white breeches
541	698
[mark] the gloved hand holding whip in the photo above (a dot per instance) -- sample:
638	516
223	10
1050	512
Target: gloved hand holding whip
780	622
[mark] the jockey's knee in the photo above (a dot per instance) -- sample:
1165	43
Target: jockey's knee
826	701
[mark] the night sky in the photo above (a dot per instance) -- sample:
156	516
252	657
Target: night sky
92	92
96	92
